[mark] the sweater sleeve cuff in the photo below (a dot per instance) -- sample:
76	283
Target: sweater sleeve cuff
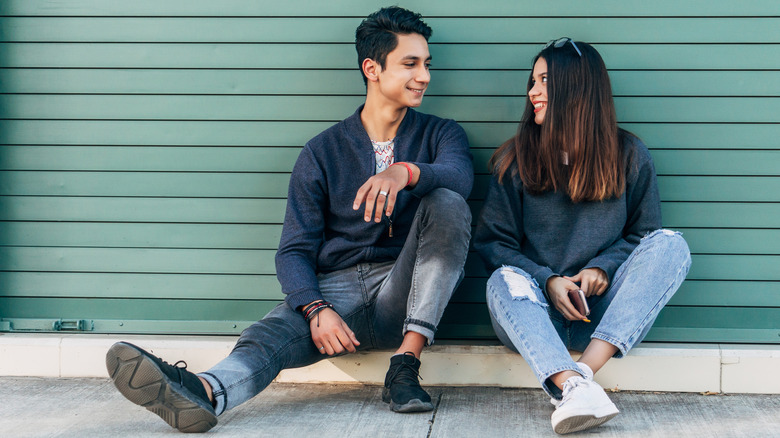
541	277
608	268
424	182
302	297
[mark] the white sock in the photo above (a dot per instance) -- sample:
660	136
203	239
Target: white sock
586	369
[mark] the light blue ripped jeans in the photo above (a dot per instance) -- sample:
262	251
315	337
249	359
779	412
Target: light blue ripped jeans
622	315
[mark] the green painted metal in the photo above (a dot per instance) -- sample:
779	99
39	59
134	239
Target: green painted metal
341	30
266	236
295	134
134	260
274	185
690	162
321	108
343	82
720	214
145	184
145	147
282	159
360	8
141	235
149	158
514	56
696	188
142	326
140	285
728	293
732	241
271	211
265	287
260	262
139	309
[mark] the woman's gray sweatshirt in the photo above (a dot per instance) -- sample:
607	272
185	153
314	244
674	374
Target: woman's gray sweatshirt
548	234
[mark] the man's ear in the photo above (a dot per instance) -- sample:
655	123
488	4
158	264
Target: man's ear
371	69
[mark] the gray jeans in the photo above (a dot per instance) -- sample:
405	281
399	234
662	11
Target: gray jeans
380	302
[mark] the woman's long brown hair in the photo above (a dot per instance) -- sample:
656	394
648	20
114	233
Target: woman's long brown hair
580	124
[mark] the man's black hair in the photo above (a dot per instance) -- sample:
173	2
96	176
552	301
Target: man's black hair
378	34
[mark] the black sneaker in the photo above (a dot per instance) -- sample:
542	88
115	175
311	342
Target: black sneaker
173	393
402	389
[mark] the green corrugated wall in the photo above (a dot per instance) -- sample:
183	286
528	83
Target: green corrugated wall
145	146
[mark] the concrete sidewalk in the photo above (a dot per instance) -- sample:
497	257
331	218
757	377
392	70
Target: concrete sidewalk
58	407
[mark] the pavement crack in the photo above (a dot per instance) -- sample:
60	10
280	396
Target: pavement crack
433	417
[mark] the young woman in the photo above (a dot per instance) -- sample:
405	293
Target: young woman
573	206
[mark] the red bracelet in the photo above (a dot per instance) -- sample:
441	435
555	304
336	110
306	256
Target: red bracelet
409	168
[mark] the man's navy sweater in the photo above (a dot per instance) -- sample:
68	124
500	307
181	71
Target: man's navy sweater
322	233
548	234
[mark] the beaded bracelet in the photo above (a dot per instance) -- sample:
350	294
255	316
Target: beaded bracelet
409	168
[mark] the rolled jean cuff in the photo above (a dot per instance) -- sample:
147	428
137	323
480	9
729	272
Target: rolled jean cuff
426	329
217	391
547	384
621	346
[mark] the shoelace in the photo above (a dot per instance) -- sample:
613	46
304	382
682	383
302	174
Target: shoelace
406	374
178	368
568	387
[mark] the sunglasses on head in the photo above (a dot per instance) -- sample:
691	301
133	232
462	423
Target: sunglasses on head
560	42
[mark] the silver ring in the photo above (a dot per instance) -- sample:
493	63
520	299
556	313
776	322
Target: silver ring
383	193
321	348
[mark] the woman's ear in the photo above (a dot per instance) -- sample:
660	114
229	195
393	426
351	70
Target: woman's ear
371	69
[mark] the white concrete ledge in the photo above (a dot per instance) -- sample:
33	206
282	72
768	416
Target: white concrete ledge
649	367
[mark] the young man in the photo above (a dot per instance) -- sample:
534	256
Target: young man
374	241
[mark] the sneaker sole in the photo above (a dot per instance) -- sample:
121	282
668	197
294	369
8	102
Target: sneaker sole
581	422
142	382
413	405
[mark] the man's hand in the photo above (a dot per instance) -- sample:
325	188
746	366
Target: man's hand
593	281
331	334
383	187
558	290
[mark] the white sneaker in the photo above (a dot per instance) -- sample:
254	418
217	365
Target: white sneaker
588	376
584	405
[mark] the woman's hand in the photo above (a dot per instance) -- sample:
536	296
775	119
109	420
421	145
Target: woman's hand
331	334
593	281
558	290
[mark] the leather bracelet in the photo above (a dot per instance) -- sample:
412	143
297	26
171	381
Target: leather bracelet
312	308
316	310
409	168
309	306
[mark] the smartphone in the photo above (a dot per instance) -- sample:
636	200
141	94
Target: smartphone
577	297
